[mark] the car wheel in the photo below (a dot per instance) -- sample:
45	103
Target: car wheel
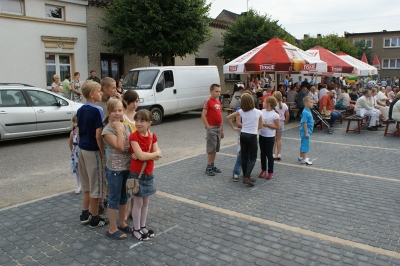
157	115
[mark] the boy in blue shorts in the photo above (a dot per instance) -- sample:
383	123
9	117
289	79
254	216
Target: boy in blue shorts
306	129
90	154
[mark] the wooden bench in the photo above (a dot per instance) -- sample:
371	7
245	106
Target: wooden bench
397	126
359	121
349	112
229	110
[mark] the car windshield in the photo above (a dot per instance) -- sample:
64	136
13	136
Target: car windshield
140	79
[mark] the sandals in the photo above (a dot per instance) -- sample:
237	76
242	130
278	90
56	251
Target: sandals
150	233
278	157
116	235
143	237
126	229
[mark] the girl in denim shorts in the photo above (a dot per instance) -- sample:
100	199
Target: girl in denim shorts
144	148
116	138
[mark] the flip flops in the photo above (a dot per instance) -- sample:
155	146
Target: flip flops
116	235
127	229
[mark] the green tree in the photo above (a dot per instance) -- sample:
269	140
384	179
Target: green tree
332	42
362	48
248	32
165	28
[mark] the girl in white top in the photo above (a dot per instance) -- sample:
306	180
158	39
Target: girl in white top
283	111
270	124
251	122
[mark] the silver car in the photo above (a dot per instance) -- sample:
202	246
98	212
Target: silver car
27	111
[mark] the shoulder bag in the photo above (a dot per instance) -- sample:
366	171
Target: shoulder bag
132	184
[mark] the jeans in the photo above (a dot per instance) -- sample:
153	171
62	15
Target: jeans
117	187
266	147
248	148
343	107
238	165
334	115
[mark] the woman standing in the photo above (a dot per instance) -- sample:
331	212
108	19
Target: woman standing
76	88
56	86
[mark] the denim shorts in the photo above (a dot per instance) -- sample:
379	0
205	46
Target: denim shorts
146	184
281	126
117	187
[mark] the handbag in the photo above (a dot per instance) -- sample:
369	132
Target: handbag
339	104
132	185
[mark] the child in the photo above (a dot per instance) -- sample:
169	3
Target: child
91	152
116	138
306	129
267	136
251	122
73	146
144	147
212	119
131	101
238	165
283	111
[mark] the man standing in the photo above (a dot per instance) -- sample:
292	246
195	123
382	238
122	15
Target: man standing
286	82
93	76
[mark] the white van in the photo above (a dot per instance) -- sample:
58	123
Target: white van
171	89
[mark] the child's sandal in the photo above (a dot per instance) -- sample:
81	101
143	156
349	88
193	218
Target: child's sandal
150	233
143	237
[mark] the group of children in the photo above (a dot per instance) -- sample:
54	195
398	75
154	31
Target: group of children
267	124
110	144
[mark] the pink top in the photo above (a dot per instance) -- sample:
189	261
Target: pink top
281	111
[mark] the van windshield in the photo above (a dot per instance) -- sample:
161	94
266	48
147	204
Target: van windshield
140	79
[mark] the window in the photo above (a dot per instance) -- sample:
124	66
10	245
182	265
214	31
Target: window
111	65
235	77
166	79
55	12
392	42
12	98
391	63
368	42
57	64
12	6
40	98
201	61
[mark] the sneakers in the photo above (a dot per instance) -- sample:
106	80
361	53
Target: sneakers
251	179
306	161
216	170
262	174
98	222
300	159
270	176
248	181
85	219
235	178
78	190
210	172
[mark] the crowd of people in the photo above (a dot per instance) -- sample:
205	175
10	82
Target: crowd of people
111	144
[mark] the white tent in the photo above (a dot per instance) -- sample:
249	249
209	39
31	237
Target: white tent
363	69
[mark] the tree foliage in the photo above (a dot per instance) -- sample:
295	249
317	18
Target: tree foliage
332	42
165	28
362	48
248	32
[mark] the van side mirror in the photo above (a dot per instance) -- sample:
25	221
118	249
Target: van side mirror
159	87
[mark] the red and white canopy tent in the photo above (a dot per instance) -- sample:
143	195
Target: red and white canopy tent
364	58
363	69
275	56
336	65
375	62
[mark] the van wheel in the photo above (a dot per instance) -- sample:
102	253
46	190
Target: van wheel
157	115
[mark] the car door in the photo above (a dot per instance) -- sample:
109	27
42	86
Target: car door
16	117
167	98
53	114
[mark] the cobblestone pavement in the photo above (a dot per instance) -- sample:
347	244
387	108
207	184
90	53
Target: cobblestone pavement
342	210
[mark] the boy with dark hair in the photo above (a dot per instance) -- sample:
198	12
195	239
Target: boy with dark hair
91	152
306	129
212	119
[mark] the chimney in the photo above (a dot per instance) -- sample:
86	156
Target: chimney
306	36
319	35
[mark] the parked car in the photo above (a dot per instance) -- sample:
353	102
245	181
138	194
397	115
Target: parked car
172	89
27	111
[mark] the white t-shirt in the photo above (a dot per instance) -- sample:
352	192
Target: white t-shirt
269	117
282	111
250	121
322	92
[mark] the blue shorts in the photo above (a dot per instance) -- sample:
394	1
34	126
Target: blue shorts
281	126
305	144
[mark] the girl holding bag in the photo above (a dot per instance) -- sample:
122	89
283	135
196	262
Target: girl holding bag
144	149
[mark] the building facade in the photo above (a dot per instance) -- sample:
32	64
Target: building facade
108	64
40	38
386	45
